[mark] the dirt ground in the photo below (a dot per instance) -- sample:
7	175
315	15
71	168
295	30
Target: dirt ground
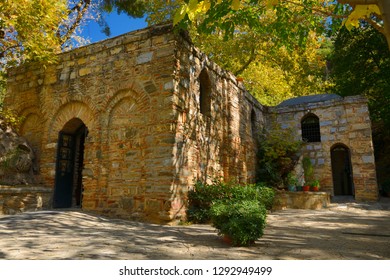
345	230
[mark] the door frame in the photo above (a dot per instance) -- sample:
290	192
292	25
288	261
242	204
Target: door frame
68	188
348	172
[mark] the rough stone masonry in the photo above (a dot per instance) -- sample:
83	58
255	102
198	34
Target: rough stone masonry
126	126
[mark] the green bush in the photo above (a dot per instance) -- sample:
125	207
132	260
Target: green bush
203	196
243	221
277	156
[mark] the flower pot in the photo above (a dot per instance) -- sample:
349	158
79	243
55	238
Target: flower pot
292	188
299	188
227	239
315	188
306	188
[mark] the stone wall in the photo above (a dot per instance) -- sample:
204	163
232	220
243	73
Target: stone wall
343	121
138	96
20	198
219	143
301	200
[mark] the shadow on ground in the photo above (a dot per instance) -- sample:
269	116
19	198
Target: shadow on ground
341	232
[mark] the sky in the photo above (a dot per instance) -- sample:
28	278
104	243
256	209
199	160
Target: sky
119	24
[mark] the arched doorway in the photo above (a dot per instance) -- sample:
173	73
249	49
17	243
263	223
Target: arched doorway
341	170
70	155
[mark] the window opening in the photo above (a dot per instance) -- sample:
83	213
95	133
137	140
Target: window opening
205	94
311	129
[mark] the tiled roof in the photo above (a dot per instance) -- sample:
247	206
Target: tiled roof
309	99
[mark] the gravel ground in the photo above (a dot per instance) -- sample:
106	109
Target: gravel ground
345	230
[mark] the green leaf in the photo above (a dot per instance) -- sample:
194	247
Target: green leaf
236	5
180	14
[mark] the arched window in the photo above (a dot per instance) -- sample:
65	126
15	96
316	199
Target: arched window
205	93
253	122
310	125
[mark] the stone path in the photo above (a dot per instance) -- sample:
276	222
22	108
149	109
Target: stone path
346	230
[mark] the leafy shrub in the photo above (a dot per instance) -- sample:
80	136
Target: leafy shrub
277	156
266	195
203	196
243	221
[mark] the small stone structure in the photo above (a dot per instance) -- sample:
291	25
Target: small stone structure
301	200
126	126
342	154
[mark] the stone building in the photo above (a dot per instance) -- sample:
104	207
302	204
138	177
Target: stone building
337	135
124	126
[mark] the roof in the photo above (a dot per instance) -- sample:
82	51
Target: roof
309	99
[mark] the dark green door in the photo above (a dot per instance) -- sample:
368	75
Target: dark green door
68	190
342	171
64	171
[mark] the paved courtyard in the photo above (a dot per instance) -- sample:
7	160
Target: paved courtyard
343	231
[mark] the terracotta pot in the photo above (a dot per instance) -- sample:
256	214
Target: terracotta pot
315	188
306	188
227	239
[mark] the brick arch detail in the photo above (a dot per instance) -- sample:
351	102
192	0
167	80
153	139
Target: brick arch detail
141	100
27	113
68	111
31	129
138	97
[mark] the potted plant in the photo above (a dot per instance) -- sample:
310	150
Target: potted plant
292	182
308	173
240	222
315	185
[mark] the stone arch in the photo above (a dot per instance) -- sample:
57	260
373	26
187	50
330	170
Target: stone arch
31	127
68	111
139	98
310	128
68	187
126	124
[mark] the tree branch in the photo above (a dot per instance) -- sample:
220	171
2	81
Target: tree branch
376	25
252	57
358	2
79	17
318	11
8	48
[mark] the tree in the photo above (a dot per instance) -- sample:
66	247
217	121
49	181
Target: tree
360	64
271	73
28	30
227	14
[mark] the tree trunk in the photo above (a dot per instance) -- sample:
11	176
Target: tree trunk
384	6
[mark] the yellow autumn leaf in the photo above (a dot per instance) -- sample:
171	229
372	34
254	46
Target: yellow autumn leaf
180	14
272	3
360	12
366	10
192	5
236	4
204	6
